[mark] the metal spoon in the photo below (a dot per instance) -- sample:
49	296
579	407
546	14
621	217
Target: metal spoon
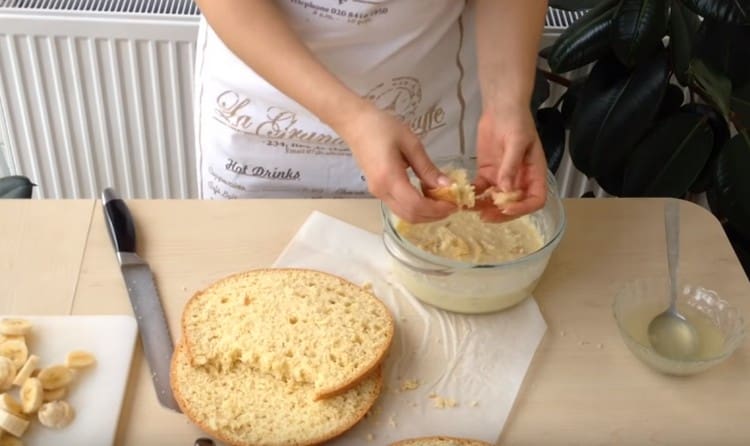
671	335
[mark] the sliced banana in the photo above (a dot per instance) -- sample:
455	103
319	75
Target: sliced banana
32	395
15	350
28	368
13	424
56	394
4	338
15	327
79	359
54	377
7	373
56	415
9	404
7	440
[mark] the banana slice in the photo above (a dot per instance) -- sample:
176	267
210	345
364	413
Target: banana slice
10	404
32	395
26	371
56	394
79	359
56	376
15	350
4	338
7	373
56	415
10	441
15	327
13	424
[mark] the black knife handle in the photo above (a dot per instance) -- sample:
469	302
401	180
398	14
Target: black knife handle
120	224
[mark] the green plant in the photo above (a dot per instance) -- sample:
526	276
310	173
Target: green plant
16	186
664	109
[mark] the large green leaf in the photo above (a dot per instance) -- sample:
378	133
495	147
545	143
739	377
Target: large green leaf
729	11
573	5
725	48
720	129
683	25
637	29
669	159
739	57
584	41
541	90
16	186
674	96
551	128
729	196
570	98
615	109
741	106
612	182
714	84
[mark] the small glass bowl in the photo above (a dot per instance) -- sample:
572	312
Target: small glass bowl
720	326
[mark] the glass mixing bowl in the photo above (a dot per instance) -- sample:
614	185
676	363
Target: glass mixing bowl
466	287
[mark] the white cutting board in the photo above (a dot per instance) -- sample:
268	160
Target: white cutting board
97	392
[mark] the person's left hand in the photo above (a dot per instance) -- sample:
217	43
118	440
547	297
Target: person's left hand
510	158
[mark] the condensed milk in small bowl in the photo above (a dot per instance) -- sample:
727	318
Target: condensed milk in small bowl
466	265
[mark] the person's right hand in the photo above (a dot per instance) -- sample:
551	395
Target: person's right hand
384	149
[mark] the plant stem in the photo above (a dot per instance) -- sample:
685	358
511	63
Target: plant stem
565	82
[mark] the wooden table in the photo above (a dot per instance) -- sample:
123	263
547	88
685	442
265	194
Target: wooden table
57	259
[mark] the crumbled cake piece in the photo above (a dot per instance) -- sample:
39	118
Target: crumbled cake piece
409	384
443	403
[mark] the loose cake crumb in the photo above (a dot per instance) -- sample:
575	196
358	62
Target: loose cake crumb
600	346
370	437
474	403
367	286
409	384
392	421
443	403
562	333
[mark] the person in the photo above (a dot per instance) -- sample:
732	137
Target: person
342	98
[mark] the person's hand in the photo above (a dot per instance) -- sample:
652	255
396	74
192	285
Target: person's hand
510	158
385	148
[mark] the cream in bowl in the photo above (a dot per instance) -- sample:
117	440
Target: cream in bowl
464	264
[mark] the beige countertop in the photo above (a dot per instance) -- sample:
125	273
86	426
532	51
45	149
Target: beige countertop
58	259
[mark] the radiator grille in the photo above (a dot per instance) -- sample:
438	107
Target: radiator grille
170	7
91	106
557	19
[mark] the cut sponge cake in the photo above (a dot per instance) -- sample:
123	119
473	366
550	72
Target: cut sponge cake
296	325
440	441
460	192
245	407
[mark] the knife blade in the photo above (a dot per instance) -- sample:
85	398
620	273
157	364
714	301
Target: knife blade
144	298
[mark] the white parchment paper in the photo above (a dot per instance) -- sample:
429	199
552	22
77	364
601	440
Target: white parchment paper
471	365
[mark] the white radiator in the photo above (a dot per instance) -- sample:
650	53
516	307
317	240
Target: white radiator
97	93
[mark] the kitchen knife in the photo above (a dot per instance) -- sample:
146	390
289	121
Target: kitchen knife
152	324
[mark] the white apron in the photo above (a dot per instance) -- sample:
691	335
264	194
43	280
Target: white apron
415	58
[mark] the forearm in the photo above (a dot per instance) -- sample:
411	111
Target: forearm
508	37
258	33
